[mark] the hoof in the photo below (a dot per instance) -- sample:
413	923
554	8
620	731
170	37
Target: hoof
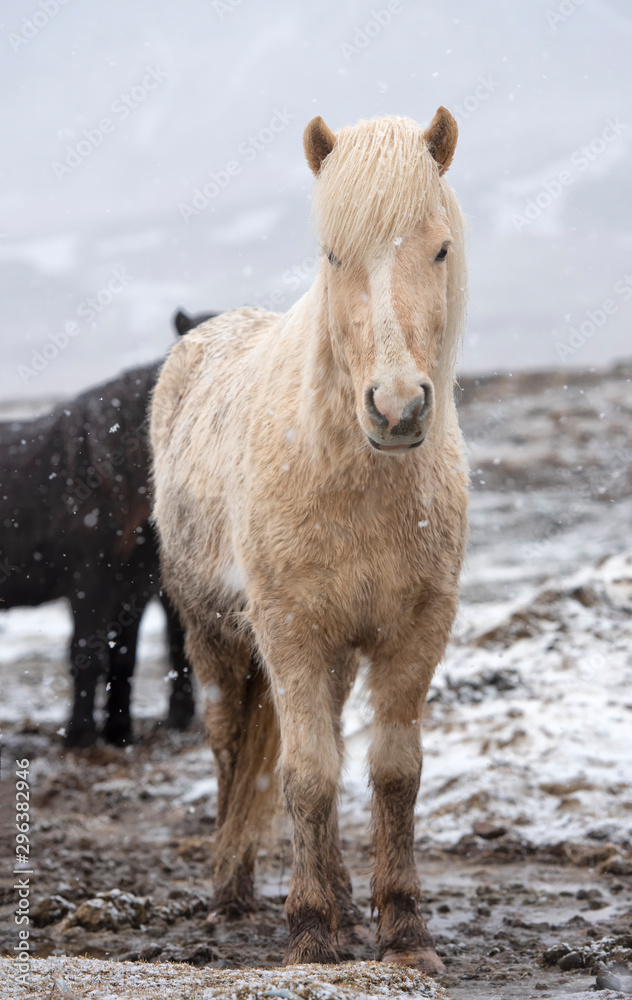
230	904
305	948
80	736
180	717
424	959
118	736
227	912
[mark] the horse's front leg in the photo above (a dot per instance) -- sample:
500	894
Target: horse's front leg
310	763
399	681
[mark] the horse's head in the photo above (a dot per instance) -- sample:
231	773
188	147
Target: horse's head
393	267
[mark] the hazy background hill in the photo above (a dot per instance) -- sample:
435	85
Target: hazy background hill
531	84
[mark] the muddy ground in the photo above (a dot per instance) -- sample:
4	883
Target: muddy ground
524	836
503	912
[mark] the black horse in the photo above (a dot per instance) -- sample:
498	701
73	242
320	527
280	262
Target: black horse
74	523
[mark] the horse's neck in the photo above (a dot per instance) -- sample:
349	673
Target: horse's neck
318	397
326	395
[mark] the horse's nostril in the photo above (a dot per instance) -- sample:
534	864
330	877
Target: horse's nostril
411	415
369	402
427	399
414	414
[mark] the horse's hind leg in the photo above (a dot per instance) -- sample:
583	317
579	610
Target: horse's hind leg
249	797
242	732
399	681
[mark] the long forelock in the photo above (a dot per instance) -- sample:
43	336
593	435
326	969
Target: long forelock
377	183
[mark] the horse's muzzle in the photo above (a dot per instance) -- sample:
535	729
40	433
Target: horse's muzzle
398	426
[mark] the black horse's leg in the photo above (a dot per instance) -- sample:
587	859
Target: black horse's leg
88	661
122	660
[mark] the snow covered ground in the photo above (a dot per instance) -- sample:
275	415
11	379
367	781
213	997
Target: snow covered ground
94	980
530	717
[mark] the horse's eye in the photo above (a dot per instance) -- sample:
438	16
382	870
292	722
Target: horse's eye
333	260
443	253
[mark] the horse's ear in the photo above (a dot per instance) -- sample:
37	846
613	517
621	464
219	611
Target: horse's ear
318	142
441	137
182	322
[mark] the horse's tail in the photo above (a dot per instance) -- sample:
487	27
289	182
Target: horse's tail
253	800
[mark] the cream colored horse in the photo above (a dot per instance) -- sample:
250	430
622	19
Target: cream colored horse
310	495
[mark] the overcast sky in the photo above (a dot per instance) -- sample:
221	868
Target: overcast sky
114	116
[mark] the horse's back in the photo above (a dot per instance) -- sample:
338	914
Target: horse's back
31	459
228	339
74	485
203	368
